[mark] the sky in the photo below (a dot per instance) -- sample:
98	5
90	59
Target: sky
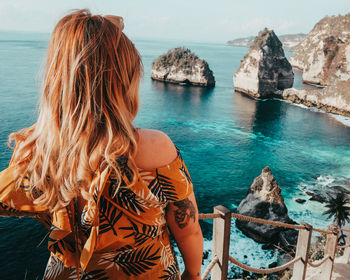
192	20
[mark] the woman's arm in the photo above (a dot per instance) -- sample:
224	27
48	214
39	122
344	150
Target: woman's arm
182	218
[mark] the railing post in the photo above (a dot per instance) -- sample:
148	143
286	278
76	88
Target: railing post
221	242
331	247
346	255
303	246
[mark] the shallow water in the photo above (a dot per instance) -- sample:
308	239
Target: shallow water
226	139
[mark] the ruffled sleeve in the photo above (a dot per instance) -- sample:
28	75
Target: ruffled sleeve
174	180
16	201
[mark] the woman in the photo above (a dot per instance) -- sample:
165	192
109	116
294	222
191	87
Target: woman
108	192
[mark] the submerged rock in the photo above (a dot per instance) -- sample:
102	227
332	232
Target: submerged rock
333	99
264	70
323	195
264	200
324	55
180	65
300	200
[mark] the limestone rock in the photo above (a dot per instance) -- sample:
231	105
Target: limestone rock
265	69
324	55
180	65
333	99
264	200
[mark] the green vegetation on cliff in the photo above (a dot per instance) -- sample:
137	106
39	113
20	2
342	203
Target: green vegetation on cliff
182	58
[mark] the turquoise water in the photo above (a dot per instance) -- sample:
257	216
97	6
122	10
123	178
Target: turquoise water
225	138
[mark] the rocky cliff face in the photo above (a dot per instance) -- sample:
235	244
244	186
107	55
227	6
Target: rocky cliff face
264	200
289	41
324	55
264	69
333	99
180	65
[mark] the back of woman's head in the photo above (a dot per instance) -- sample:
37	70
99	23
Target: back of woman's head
89	100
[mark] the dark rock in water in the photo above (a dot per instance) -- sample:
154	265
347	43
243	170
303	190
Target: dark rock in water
182	66
264	200
288	239
268	246
300	200
272	265
318	197
264	70
205	255
323	196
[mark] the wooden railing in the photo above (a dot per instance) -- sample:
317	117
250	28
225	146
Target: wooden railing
218	267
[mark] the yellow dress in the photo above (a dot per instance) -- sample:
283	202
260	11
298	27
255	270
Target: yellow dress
122	235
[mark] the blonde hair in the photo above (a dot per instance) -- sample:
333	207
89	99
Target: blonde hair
88	102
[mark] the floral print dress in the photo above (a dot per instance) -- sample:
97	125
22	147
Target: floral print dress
117	234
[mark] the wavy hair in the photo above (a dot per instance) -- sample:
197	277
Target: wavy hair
89	99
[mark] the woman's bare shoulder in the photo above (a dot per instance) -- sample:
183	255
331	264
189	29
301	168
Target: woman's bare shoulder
155	149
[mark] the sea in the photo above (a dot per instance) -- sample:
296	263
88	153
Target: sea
225	138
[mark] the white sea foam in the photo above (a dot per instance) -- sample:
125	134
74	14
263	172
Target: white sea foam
342	119
244	249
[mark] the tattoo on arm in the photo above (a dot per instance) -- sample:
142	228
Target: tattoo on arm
184	213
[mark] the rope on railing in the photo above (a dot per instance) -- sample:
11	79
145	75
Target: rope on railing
344	246
344	229
210	267
326	258
262	221
267	222
262	270
209	216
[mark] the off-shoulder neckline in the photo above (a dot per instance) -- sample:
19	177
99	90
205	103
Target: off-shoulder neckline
173	162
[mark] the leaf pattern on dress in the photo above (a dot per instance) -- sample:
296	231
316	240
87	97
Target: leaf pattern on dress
128	200
135	261
167	257
171	273
109	216
162	188
97	274
142	234
54	268
56	246
124	169
10	210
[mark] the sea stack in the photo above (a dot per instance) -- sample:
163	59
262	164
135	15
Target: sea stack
264	70
180	65
264	200
324	55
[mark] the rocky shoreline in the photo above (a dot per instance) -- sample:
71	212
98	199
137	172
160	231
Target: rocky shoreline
332	99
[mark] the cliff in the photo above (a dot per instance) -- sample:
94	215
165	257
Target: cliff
264	200
180	65
324	55
289	41
333	99
264	70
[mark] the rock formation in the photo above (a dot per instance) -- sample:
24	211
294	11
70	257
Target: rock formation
264	200
265	69
289	41
180	65
333	99
324	55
